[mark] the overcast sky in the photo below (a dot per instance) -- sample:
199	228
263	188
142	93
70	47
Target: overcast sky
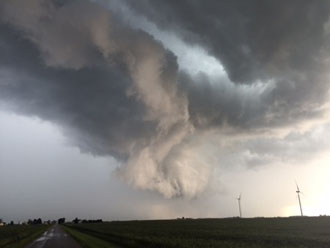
123	109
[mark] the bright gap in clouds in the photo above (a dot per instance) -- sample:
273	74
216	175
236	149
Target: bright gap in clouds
192	59
271	191
315	188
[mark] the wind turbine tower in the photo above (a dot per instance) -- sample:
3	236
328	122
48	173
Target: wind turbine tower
298	193
239	205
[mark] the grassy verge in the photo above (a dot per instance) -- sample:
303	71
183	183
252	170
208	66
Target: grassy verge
87	241
18	236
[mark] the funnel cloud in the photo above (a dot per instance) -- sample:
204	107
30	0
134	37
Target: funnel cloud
118	90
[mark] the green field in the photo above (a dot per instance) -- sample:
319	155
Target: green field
232	232
17	236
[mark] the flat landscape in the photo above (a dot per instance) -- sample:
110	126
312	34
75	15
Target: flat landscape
231	232
16	236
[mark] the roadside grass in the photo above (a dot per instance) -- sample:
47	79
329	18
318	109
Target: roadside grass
18	236
87	241
302	232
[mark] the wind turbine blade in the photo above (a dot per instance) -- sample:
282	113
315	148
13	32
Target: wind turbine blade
297	186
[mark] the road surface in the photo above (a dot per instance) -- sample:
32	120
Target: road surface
55	237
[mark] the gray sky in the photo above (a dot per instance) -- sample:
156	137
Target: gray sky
119	110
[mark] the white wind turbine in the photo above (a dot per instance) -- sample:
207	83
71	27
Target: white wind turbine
239	205
298	194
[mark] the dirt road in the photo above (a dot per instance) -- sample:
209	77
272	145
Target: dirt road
55	237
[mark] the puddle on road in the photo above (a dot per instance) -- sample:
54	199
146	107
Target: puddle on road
49	235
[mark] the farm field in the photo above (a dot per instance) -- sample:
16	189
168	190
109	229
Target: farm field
232	232
17	236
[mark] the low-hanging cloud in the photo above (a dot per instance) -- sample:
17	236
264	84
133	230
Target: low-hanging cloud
113	89
116	91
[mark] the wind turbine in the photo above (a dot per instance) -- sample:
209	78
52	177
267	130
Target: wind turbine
239	204
298	193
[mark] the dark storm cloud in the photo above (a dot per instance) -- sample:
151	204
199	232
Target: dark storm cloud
115	90
110	88
214	102
90	103
256	41
253	39
81	91
294	148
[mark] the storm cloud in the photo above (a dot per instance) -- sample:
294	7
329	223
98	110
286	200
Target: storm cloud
284	44
116	90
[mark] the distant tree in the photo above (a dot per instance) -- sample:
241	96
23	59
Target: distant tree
90	221
76	221
30	222
61	221
11	223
